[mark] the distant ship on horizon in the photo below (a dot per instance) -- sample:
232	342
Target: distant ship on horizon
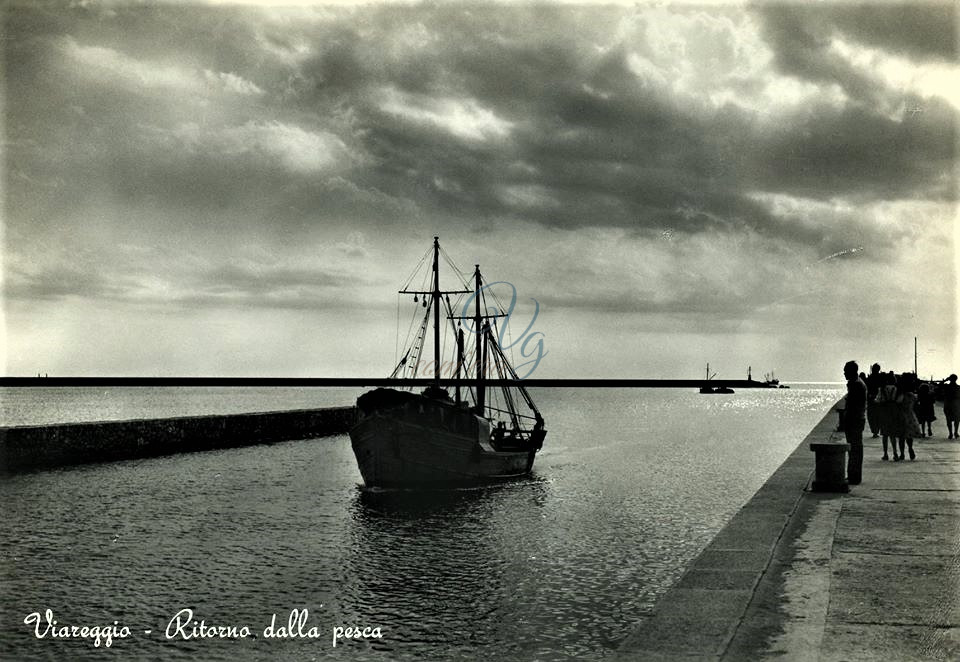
769	379
719	389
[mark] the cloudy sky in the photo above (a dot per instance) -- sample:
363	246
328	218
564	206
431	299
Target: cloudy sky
240	190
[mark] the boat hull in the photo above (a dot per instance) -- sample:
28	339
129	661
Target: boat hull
430	444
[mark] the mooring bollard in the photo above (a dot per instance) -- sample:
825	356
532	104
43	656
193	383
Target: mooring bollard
830	474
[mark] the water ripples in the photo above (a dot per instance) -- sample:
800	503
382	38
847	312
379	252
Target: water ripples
629	488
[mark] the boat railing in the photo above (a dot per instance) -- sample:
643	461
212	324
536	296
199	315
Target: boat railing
514	439
517	414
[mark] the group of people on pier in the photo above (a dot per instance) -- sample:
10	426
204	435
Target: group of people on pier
898	408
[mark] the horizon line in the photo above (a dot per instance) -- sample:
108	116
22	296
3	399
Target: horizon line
596	382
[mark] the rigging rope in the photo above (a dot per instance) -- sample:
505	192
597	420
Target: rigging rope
421	339
406	283
413	318
456	270
496	360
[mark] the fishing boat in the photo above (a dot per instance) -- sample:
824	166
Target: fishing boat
770	381
708	389
432	438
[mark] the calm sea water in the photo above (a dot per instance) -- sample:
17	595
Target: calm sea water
40	406
629	487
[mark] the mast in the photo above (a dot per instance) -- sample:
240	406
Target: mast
481	391
436	310
915	355
481	396
459	362
435	295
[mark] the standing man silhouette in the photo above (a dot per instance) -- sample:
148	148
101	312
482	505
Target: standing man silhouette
854	419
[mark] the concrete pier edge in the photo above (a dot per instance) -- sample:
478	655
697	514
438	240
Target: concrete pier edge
865	576
699	616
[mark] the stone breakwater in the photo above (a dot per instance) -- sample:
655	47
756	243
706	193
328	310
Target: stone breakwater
23	448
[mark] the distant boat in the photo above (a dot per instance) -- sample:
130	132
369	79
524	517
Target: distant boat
770	381
707	389
406	439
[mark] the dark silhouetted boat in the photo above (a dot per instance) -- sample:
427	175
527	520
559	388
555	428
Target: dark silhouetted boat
708	389
770	381
433	439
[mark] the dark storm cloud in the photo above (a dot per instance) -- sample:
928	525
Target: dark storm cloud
588	145
248	284
863	145
577	154
919	30
802	48
261	285
712	301
389	116
668	167
859	153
